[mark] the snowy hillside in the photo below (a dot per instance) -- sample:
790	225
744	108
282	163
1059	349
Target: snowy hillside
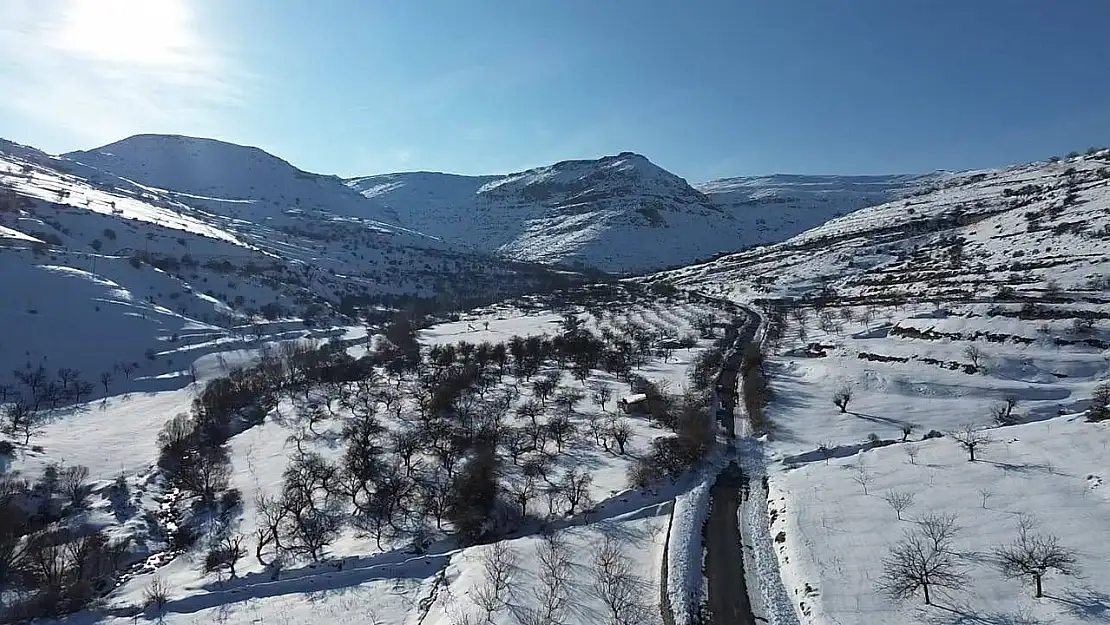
229	179
968	234
968	317
569	490
157	279
618	213
769	209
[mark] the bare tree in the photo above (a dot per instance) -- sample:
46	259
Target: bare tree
561	429
225	554
971	438
531	410
974	354
522	491
73	482
899	501
940	528
156	596
907	429
1002	414
825	448
106	381
862	477
543	388
21	419
601	394
912	452
126	368
620	431
553	595
841	397
575	489
596	426
1035	555
615	582
917	562
985	494
498	567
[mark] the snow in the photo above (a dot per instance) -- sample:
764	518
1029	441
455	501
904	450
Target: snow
684	543
117	436
618	213
816	540
1053	470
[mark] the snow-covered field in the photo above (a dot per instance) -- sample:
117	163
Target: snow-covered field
836	537
117	438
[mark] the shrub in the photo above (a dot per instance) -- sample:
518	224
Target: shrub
6	448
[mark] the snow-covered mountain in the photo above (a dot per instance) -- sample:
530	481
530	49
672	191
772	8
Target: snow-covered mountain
618	213
229	179
769	209
156	276
960	235
621	213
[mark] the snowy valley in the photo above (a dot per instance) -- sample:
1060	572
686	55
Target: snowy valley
237	392
940	385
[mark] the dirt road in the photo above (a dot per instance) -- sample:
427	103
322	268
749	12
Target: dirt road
724	557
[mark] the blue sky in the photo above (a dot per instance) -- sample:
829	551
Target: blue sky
705	88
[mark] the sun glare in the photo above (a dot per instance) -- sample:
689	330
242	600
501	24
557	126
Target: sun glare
138	32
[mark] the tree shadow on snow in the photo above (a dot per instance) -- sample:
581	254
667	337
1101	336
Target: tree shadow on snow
967	615
1087	604
1017	468
318	579
877	419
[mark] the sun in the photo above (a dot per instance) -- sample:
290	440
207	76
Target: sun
156	33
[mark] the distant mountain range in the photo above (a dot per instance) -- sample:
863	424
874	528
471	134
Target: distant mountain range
618	213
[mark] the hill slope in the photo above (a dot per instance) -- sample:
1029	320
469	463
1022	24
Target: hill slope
618	213
966	235
159	278
769	209
231	179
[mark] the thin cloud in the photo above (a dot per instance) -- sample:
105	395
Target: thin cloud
102	69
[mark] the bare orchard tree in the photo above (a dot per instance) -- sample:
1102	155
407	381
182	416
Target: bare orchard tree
575	489
912	452
498	568
971	438
921	562
985	494
595	424
620	431
106	379
974	354
1003	412
617	585
550	600
899	501
73	482
841	397
21	419
862	477
522	490
225	553
1035	555
601	394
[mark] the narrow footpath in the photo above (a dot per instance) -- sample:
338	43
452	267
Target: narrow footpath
724	557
